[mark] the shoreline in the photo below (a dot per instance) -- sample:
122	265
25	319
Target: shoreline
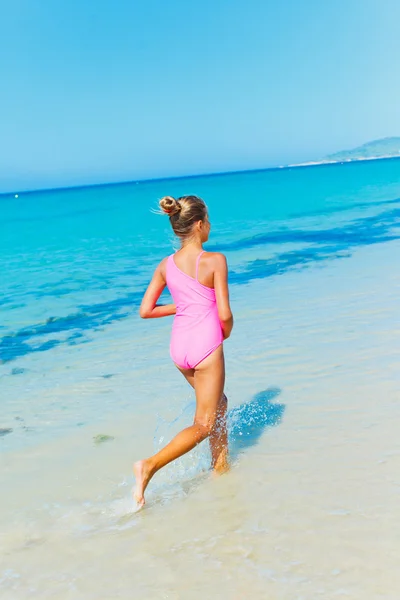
116	370
327	468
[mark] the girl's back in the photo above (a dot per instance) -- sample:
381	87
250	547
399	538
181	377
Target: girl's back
196	331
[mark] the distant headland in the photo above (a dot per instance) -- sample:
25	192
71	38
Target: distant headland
388	147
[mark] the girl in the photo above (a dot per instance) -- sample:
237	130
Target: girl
198	282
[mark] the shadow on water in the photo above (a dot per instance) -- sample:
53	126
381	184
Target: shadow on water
247	422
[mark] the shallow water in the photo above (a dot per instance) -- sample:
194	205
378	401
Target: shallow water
310	508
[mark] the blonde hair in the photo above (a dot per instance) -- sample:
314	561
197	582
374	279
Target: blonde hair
183	213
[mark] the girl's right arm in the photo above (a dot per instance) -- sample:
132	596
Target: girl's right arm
149	309
222	294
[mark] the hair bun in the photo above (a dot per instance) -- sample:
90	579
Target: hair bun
170	206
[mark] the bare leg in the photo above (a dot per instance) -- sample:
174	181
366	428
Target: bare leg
219	434
209	380
219	439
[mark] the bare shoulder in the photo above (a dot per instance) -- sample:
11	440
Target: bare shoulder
162	267
217	260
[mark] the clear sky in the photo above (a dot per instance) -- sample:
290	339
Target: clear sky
98	91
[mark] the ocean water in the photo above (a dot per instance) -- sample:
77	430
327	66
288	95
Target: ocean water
310	508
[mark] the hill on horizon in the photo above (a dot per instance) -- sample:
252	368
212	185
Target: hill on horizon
385	147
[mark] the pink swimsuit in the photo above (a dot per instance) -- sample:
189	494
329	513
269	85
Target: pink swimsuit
196	331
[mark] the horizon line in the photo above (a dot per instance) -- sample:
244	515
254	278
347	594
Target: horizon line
322	163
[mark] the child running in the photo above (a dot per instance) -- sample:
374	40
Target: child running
198	283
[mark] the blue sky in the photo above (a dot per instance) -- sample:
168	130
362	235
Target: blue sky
109	91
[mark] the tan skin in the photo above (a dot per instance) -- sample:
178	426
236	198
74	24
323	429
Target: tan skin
208	378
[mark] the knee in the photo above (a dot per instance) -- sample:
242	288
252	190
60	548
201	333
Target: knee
205	426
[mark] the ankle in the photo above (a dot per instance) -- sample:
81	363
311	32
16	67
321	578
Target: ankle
150	465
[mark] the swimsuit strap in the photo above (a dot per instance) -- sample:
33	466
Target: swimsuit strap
197	265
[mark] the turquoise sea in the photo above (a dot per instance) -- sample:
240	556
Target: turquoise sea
312	366
76	260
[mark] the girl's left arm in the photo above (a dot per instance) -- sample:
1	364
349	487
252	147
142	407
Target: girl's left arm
149	309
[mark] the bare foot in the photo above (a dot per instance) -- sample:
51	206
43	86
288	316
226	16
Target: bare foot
221	465
143	475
